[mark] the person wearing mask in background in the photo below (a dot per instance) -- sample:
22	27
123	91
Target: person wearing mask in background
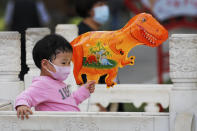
23	14
95	13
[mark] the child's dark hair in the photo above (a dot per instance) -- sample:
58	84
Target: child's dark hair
49	47
84	6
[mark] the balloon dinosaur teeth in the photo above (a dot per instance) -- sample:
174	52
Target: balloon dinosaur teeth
149	37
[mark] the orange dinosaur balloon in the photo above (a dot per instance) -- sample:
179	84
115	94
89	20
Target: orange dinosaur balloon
102	52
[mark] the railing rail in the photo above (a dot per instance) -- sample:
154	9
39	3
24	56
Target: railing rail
131	93
85	121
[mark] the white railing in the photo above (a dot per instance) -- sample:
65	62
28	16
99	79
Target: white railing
81	121
10	86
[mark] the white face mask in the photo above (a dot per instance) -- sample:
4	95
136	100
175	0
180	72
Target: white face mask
101	14
61	73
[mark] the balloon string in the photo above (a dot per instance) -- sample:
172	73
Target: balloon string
88	106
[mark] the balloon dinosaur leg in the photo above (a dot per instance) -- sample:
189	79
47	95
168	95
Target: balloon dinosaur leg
92	77
110	77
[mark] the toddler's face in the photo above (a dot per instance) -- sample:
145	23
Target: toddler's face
63	59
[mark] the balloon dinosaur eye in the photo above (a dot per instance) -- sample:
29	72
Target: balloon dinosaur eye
143	20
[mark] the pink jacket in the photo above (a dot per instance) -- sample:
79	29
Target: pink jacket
47	94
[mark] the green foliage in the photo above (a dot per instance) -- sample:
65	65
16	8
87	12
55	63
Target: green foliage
167	82
2	24
166	109
3	4
75	20
129	107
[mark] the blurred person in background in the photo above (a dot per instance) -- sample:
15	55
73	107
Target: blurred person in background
95	13
23	14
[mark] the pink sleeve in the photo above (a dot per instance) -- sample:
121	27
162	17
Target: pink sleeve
31	97
80	95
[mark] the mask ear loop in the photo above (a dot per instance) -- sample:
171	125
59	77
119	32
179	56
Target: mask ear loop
51	64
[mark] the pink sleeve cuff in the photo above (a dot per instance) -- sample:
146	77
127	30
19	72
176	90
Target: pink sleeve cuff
21	102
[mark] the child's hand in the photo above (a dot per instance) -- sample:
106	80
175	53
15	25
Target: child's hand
90	85
23	110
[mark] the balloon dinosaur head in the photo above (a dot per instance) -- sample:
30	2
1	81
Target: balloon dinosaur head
147	30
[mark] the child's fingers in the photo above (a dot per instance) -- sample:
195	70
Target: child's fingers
26	114
23	112
22	115
92	86
18	113
91	89
91	83
29	110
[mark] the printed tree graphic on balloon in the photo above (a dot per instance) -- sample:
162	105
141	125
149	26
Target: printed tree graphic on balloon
99	47
100	52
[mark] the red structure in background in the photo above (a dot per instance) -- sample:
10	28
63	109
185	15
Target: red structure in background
136	7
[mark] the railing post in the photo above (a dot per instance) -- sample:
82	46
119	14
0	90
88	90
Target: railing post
68	31
10	65
32	36
183	72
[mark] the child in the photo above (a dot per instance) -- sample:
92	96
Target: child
52	55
